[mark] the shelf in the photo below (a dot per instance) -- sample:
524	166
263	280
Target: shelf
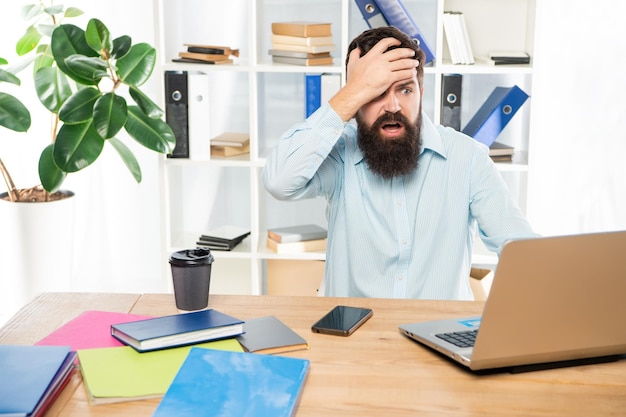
266	99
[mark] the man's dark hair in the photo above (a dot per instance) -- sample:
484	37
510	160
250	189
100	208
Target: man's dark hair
366	41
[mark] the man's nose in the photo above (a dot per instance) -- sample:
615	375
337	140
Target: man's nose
391	103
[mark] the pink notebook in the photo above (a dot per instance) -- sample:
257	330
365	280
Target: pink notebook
91	329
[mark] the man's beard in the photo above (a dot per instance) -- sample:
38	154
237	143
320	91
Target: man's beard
390	157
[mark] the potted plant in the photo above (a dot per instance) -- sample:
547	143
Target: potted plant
78	76
91	84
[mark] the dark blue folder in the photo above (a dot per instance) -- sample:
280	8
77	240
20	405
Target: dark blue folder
495	113
393	13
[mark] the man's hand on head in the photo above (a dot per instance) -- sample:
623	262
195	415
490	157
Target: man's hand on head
372	74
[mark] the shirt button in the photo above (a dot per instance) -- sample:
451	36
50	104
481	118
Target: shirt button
399	202
404	242
400	277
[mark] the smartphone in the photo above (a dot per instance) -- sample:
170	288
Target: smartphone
342	320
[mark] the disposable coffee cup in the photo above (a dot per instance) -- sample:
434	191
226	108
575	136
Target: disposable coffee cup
191	275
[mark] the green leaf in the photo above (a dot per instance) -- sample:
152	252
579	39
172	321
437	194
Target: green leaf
78	107
154	134
121	46
46	30
43	59
30	11
28	41
109	115
127	156
77	146
3	61
9	77
86	70
73	12
98	36
13	114
70	40
136	66
50	175
52	88
53	9
146	105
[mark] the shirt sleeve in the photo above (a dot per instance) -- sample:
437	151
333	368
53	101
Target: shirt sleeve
498	216
293	168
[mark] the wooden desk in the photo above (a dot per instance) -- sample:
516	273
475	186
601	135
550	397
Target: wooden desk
375	372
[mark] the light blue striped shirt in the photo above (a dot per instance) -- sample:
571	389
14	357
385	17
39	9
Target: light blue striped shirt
406	237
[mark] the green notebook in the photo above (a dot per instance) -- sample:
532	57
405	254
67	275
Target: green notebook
116	374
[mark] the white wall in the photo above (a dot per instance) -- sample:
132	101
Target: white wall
578	177
578	181
118	241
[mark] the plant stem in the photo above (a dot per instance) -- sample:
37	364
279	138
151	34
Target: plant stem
12	191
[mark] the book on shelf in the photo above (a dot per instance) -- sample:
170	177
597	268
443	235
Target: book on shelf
509	57
177	330
203	57
298	40
457	38
117	374
297	54
500	149
313	49
302	61
212	49
90	329
202	61
314	245
302	28
225	237
230	144
235	384
32	377
297	233
269	335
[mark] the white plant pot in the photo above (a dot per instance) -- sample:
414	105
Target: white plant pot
36	249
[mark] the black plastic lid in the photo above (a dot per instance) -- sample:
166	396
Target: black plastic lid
191	257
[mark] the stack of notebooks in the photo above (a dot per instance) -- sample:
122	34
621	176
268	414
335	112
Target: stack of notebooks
296	239
230	144
457	38
127	357
302	43
499	152
32	377
224	238
509	58
207	54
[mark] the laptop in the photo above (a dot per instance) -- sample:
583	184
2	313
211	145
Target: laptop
555	301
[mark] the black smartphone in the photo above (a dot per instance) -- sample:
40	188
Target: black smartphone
342	320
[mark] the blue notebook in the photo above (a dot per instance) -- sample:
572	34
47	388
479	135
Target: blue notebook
31	377
177	330
221	383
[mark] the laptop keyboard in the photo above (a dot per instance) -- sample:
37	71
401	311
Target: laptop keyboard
461	339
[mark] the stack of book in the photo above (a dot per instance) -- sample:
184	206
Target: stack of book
509	58
499	152
302	43
230	144
207	54
457	38
224	238
295	239
32	377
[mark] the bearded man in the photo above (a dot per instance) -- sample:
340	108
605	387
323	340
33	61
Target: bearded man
405	196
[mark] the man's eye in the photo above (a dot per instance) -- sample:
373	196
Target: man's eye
407	90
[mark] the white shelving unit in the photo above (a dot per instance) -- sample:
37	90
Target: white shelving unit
265	99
